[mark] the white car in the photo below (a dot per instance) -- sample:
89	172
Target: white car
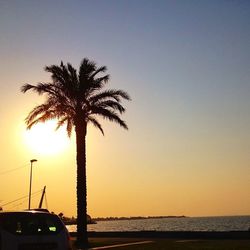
32	230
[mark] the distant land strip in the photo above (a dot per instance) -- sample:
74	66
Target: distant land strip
137	218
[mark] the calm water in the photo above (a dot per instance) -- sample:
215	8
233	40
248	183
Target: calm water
227	223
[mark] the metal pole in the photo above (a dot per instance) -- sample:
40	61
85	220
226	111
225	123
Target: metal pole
41	201
31	165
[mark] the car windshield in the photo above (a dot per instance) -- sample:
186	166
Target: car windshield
30	223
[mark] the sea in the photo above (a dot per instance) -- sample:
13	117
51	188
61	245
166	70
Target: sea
222	223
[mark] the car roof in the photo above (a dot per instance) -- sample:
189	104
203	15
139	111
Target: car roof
26	212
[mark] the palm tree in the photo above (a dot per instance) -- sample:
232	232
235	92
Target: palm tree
76	99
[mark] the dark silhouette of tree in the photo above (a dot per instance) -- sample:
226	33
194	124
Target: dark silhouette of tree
76	99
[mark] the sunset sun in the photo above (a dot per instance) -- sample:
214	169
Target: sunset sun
42	138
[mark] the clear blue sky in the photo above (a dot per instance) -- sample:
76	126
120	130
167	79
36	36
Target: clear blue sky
186	65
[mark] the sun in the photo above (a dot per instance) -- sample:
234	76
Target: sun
42	138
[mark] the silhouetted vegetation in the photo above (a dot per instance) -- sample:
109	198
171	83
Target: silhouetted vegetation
135	218
76	99
72	220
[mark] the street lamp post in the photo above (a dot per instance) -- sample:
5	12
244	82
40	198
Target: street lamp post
31	165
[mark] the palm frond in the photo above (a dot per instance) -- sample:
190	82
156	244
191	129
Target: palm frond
72	71
110	104
49	110
26	87
40	88
109	115
61	122
43	118
86	68
95	123
37	111
67	121
110	94
92	85
99	82
69	127
99	70
56	73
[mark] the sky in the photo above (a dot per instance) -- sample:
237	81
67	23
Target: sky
186	65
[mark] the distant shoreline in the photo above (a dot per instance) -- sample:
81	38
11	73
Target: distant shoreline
137	218
72	221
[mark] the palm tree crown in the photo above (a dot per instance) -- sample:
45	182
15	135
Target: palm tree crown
71	96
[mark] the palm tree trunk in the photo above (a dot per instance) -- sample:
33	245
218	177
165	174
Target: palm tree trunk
81	186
